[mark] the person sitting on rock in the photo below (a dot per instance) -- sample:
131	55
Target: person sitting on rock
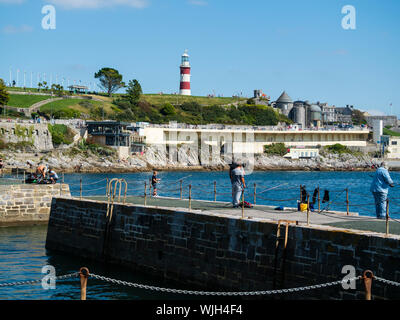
53	176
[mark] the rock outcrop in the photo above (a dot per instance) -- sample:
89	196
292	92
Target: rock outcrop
185	159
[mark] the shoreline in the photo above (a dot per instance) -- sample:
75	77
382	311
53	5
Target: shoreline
108	170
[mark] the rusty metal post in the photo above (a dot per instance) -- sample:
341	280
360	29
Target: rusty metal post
255	193
107	187
368	283
347	201
319	201
83	274
145	192
80	184
308	209
181	188
190	196
215	191
387	216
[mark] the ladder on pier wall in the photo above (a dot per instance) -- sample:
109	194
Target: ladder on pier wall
280	253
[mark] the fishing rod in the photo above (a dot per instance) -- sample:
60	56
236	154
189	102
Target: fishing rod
274	187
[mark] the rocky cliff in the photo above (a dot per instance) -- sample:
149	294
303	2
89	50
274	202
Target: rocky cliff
66	161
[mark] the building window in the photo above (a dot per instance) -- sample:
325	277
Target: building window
394	143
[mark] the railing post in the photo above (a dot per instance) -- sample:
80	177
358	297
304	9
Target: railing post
24	177
319	201
150	187
255	193
190	196
387	216
243	203
107	191
181	191
63	177
368	283
215	191
308	209
300	194
145	192
80	185
83	274
347	200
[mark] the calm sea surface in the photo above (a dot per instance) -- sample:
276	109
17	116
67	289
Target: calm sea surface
23	253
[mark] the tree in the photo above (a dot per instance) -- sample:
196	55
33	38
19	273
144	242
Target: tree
134	91
4	96
57	89
168	110
358	117
45	86
110	80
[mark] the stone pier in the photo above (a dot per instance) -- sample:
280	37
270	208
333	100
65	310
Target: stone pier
28	203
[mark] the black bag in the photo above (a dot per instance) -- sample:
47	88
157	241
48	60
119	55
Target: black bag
326	196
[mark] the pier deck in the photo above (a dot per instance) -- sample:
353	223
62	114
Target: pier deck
330	218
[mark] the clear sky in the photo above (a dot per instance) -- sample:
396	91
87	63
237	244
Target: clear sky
234	46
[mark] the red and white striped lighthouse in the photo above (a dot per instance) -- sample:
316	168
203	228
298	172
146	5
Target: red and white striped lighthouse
185	75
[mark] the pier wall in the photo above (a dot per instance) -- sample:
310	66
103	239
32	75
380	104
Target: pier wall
219	252
28	203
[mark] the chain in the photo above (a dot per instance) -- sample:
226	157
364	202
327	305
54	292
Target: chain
393	283
19	283
221	293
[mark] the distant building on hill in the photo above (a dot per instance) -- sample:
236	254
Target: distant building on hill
78	89
113	134
387	120
301	112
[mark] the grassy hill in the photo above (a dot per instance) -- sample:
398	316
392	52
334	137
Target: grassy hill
79	108
25	101
157	108
158	99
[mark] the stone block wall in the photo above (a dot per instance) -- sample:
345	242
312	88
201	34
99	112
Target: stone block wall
38	134
28	203
219	252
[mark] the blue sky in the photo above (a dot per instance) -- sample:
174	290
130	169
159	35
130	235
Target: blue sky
234	46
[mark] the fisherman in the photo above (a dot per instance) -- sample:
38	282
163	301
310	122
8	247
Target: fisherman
379	189
238	184
154	181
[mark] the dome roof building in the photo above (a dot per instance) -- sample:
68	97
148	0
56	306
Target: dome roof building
284	103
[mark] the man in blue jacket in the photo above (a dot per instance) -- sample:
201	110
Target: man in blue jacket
379	189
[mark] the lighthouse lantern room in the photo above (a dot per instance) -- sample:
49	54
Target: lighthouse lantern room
185	75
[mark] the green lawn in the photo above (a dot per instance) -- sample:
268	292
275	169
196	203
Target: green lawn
25	101
388	132
22	89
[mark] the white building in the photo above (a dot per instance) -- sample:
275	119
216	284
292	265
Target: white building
301	153
393	148
252	141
